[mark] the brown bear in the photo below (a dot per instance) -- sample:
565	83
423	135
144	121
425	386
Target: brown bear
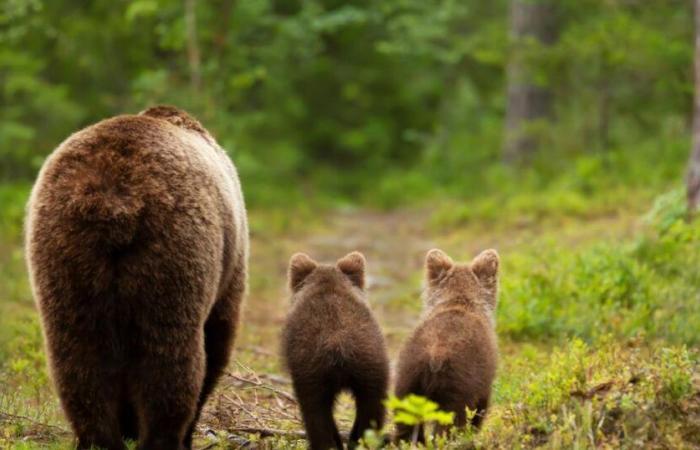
137	245
451	356
331	342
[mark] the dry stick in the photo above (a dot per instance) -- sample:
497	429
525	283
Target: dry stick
276	378
8	416
268	432
271	432
258	350
261	385
281	411
259	377
246	368
242	407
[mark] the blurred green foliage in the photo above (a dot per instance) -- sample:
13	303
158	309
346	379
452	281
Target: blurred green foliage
401	102
415	410
608	395
378	102
645	286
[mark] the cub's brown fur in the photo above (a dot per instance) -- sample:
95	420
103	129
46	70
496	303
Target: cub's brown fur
451	356
137	247
331	342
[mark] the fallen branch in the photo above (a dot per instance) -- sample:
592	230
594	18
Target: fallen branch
273	432
278	379
281	393
241	406
268	432
600	389
258	350
7	417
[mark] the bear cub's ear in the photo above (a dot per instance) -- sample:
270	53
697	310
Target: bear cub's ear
485	265
437	263
300	267
353	265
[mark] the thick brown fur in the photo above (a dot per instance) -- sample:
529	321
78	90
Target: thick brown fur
331	342
137	247
451	356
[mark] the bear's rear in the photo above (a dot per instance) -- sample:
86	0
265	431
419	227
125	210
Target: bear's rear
136	238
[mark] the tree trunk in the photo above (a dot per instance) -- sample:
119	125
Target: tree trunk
193	58
527	102
694	163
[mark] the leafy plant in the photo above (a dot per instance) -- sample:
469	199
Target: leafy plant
417	411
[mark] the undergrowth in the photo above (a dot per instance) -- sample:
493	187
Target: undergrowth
598	337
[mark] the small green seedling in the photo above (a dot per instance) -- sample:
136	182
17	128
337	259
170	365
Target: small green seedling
416	411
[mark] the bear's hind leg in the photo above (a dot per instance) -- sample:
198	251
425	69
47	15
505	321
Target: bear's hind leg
481	406
370	411
90	400
167	387
456	406
219	334
316	404
128	421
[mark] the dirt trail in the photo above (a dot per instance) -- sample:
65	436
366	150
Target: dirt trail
255	395
394	244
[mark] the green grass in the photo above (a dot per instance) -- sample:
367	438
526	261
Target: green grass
615	393
598	320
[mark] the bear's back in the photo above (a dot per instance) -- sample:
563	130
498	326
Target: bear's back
133	203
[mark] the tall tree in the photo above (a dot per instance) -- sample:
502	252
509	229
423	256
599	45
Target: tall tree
193	58
531	22
694	163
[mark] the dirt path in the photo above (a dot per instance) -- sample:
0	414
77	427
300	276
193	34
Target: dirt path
256	394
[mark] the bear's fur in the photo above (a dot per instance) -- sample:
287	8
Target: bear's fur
451	356
137	246
331	342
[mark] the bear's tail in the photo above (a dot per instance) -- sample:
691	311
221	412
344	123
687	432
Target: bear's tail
104	201
437	358
112	216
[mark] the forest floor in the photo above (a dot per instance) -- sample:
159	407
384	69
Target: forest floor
254	405
256	394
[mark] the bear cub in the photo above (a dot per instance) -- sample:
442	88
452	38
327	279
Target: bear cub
451	356
331	342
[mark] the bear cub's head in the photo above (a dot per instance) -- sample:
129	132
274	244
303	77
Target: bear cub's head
475	283
347	273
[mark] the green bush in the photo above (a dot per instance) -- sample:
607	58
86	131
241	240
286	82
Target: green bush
606	394
647	286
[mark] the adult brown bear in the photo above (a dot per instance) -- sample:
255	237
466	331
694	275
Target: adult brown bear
137	246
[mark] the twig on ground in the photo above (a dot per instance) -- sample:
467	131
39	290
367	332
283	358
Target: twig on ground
272	432
258	350
9	417
600	389
278	379
268	432
241	405
261	385
281	410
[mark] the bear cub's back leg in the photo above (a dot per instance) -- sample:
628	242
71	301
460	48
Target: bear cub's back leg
369	414
316	404
368	385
